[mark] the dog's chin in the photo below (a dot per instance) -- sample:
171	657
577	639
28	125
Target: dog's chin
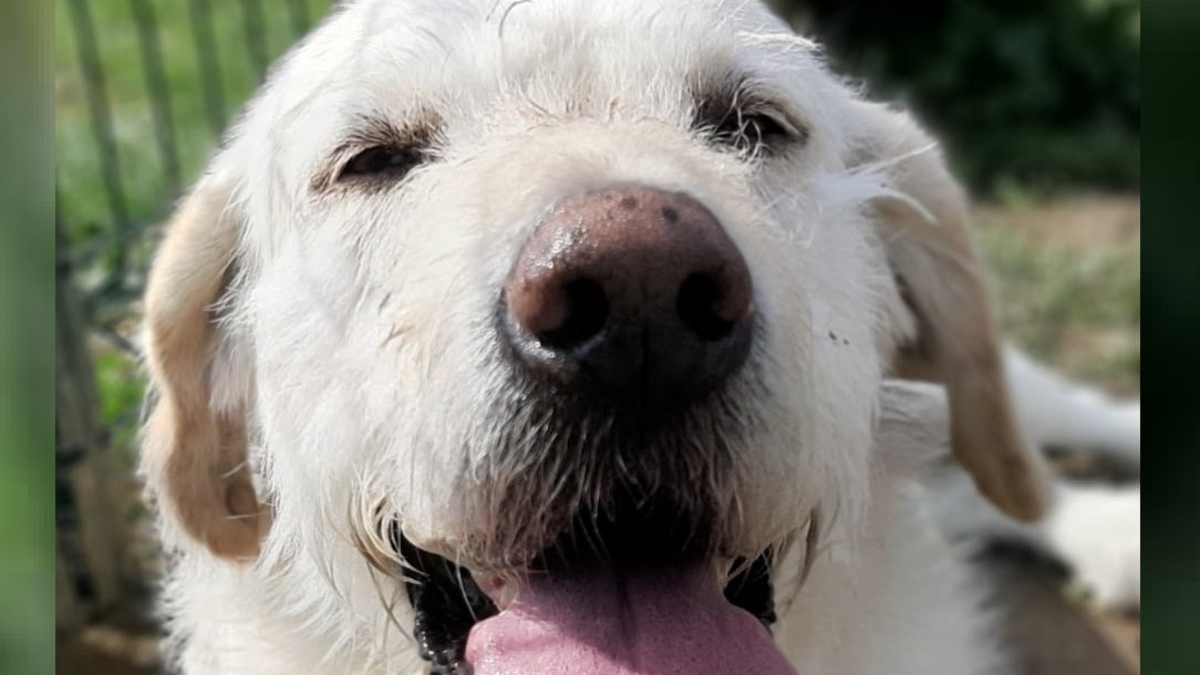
564	461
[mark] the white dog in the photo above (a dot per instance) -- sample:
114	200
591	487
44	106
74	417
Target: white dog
549	337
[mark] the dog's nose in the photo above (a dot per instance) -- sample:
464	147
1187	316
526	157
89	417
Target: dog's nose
633	290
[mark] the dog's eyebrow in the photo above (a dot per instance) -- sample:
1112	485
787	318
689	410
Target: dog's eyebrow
372	130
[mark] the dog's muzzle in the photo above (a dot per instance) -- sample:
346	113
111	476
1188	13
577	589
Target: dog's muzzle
625	317
632	294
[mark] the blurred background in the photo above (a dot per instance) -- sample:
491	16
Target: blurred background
1037	102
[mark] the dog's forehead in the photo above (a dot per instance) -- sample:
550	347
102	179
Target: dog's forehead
459	54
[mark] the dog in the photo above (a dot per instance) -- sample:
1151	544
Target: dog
557	337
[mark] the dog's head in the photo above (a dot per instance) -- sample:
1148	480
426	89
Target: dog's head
540	286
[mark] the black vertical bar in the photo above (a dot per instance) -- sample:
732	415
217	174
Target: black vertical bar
102	124
253	23
298	13
158	90
210	67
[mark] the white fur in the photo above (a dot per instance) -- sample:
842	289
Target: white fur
1094	529
356	337
1055	412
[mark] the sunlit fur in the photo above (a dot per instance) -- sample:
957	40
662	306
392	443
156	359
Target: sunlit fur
356	341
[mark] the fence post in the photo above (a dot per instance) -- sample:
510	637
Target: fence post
89	536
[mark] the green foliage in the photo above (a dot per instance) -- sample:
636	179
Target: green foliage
1044	92
120	387
118	379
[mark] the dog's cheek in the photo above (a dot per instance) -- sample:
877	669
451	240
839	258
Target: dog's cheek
428	346
313	370
830	367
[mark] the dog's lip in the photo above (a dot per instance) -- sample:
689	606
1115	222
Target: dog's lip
496	587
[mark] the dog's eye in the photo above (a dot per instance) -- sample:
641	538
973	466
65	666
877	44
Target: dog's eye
752	131
739	120
383	161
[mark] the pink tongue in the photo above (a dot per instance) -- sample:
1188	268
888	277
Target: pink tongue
639	622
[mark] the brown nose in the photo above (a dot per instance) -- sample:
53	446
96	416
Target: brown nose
631	290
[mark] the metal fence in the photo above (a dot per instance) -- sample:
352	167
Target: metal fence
125	224
110	200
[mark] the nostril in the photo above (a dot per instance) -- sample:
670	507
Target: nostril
586	313
700	297
629	290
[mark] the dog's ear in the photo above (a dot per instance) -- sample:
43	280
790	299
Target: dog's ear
942	281
194	453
